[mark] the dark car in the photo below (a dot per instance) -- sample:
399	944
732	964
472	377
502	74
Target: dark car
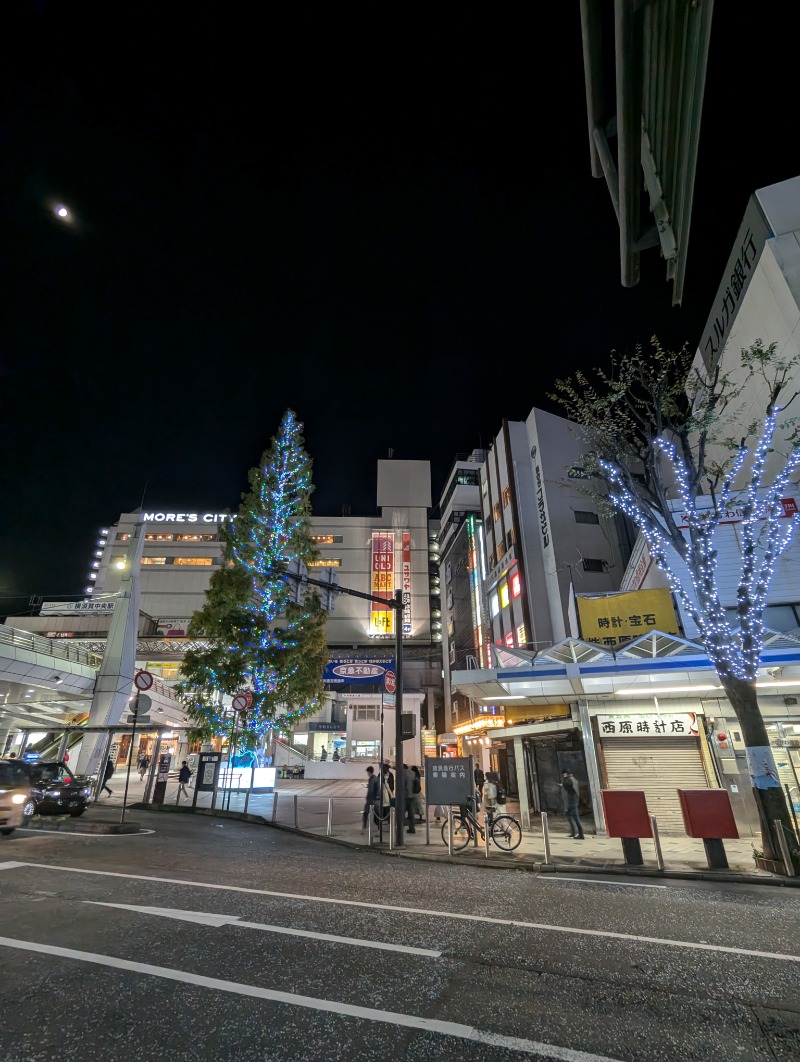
56	790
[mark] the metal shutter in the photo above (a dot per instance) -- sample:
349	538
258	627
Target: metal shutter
658	767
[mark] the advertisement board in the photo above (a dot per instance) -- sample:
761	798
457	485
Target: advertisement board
613	619
382	584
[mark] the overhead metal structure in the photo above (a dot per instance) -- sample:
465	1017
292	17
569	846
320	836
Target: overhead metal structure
644	135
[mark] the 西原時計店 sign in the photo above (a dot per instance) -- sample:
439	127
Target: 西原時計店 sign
669	724
448	781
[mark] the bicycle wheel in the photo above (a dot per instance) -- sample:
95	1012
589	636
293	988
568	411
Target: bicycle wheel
462	834
506	832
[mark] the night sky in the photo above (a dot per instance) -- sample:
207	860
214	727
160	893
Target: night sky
381	217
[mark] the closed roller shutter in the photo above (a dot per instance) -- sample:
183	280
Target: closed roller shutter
658	767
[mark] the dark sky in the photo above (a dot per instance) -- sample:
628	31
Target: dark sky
383	218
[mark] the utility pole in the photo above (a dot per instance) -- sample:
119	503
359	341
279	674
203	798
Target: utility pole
397	606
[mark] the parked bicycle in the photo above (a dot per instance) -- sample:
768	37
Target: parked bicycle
504	830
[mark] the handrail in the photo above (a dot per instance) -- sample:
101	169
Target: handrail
58	649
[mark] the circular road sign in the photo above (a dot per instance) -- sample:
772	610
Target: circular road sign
240	703
390	681
248	694
143	680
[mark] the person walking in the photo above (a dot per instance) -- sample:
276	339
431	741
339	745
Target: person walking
407	781
387	790
106	775
184	776
141	765
417	798
373	801
480	778
572	795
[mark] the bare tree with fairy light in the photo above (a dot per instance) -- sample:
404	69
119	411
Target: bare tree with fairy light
657	430
258	636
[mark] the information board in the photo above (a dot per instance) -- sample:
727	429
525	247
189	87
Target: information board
448	781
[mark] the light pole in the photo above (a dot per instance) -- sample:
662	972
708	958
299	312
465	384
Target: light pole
396	605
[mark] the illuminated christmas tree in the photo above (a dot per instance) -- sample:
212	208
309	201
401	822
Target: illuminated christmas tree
658	428
261	634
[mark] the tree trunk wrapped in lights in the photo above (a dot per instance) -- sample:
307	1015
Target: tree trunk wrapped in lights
259	637
655	429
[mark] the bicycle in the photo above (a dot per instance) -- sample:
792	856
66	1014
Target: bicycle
504	830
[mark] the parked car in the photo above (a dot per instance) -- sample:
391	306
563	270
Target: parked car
17	803
56	790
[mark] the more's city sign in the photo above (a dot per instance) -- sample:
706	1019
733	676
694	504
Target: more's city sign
184	518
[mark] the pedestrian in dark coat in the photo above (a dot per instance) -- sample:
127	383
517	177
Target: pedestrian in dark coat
572	794
373	801
106	775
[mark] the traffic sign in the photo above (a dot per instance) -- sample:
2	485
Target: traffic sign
141	704
240	702
143	680
248	694
390	681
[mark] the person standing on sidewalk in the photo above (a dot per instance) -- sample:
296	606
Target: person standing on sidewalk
407	781
184	777
418	799
572	794
373	801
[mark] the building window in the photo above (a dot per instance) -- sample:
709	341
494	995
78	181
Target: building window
189	538
504	595
158	538
123	536
496	510
592	565
501	552
522	636
495	604
506	496
366	711
154	560
195	562
326	540
516	585
511	538
510	641
365	750
325	562
584	517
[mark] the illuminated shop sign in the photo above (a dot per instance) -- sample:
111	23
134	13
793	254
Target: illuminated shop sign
184	518
382	620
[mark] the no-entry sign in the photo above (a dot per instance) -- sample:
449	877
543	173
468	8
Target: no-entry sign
143	680
240	702
390	681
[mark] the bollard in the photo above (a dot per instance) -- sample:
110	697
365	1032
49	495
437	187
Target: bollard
427	823
329	829
787	859
486	832
391	832
548	859
657	842
274	806
450	832
296	824
247	800
369	827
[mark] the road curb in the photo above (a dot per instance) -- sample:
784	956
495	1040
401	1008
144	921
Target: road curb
80	825
495	863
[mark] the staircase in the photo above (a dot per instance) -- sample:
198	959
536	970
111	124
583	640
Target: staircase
288	754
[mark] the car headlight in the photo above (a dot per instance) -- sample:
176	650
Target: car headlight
85	792
18	798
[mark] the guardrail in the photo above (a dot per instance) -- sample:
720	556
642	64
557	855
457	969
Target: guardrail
58	649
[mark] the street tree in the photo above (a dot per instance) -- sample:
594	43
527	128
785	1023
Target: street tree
659	428
258	636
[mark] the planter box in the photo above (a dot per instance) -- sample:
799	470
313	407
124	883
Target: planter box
774	866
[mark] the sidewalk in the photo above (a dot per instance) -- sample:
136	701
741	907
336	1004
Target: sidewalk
683	856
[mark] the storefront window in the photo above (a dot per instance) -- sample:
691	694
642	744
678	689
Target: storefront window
154	560
785	741
200	562
365	750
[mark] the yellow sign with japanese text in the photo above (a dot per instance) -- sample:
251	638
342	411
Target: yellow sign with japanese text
611	620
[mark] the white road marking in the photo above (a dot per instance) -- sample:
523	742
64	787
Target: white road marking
388	1017
454	915
217	920
594	881
83	833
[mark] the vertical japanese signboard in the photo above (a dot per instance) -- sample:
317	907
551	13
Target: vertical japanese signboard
382	620
406	582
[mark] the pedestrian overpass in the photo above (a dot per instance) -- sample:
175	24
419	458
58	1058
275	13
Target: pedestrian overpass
48	684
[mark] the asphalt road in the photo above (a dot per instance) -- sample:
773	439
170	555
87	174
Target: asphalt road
396	958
